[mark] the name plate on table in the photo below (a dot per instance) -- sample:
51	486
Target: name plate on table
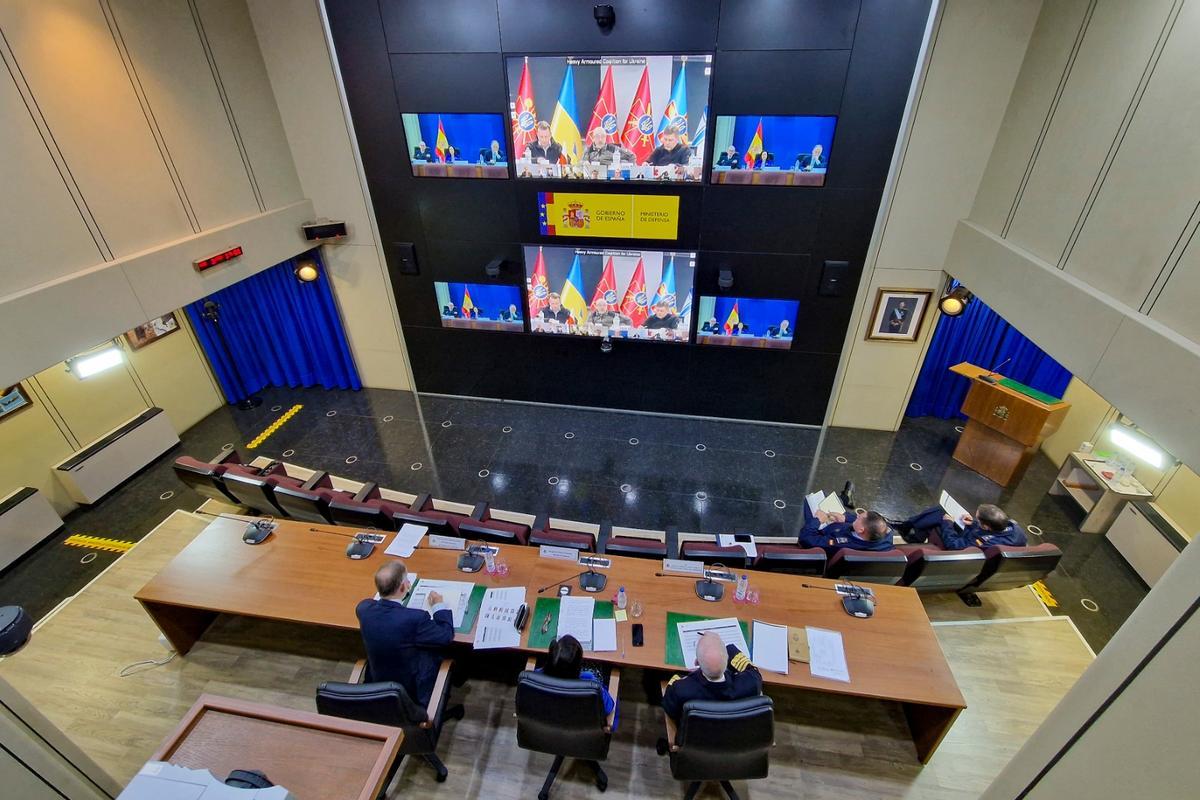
595	561
447	542
560	553
684	567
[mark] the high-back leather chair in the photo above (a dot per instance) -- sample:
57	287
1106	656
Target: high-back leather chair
867	566
712	553
566	719
387	703
931	569
364	510
255	488
1013	567
791	559
721	741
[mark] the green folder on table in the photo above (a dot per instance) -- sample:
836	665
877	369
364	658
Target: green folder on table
674	654
1029	391
540	639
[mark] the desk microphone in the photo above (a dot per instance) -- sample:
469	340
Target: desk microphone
589	581
988	378
858	602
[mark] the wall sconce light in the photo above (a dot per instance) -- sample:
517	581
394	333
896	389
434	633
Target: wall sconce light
306	271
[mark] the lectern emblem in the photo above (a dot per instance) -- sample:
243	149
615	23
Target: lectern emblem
1000	411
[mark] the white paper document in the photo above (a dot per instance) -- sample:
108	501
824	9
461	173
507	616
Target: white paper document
575	618
952	507
770	647
604	635
728	540
832	504
497	615
827	655
456	594
406	540
728	629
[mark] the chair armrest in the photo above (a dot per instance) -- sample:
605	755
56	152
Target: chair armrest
602	539
227	457
365	492
479	513
540	523
315	480
433	711
359	672
670	725
420	501
614	685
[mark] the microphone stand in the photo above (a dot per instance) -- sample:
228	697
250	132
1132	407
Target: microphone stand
212	314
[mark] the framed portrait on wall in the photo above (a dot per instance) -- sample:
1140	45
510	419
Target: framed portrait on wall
13	400
152	331
899	314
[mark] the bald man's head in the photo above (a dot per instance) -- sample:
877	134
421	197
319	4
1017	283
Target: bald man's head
711	656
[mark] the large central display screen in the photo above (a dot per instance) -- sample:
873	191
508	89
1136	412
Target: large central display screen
776	151
633	294
609	117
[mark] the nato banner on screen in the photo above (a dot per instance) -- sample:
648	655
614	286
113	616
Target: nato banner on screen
456	145
605	118
746	322
479	306
630	294
773	151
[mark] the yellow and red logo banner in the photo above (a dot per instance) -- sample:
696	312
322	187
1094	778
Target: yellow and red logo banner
615	216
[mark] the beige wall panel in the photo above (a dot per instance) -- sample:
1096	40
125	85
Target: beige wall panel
231	36
1087	413
31	443
1154	182
1118	43
1176	305
1032	95
362	294
975	60
92	407
174	73
175	375
871	406
1180	500
73	68
45	237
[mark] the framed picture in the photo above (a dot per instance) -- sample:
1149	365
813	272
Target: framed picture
899	314
152	331
13	400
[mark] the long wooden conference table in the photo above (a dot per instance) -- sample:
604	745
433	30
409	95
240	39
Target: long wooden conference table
303	575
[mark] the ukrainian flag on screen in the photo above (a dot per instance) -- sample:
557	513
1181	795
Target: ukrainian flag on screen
572	294
563	127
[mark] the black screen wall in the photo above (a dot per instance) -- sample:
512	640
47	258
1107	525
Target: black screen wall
841	57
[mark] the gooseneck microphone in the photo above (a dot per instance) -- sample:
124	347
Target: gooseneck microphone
589	581
988	378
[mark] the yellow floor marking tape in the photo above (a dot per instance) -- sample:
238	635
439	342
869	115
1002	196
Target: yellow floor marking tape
274	426
98	543
1044	593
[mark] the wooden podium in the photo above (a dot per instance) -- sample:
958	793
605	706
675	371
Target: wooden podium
1005	426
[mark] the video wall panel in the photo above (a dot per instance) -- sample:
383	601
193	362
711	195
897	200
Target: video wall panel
480	306
772	150
456	145
746	322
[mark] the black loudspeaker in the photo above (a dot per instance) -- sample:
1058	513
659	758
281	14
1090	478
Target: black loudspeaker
406	258
834	278
15	626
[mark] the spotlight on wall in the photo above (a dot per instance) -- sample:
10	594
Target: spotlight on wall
493	267
954	302
725	279
95	362
605	16
306	271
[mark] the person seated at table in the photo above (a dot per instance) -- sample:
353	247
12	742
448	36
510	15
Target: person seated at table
739	328
810	161
764	159
712	326
599	151
544	147
449	310
492	155
566	662
606	316
404	645
781	331
511	315
729	158
671	151
988	527
662	318
422	153
832	531
722	673
554	311
452	154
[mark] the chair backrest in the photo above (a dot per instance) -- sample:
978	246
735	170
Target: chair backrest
724	740
561	717
636	547
306	504
359	514
437	527
868	566
251	490
931	569
484	532
791	559
712	553
382	703
1013	567
203	478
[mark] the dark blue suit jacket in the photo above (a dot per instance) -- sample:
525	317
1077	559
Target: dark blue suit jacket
404	644
836	535
975	536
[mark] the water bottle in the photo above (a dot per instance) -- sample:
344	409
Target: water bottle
621	599
743	584
489	558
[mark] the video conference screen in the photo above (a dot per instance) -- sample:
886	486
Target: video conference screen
480	306
607	118
456	145
746	322
631	294
777	151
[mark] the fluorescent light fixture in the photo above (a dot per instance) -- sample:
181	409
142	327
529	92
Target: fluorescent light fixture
1136	446
86	366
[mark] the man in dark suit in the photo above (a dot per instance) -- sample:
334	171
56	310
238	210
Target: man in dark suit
545	146
729	158
781	331
832	532
989	527
511	315
712	326
449	310
810	161
404	644
422	153
671	151
492	155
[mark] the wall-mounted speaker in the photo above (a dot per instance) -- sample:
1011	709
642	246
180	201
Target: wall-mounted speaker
835	276
406	258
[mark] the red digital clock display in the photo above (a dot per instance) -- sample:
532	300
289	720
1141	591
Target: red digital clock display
217	258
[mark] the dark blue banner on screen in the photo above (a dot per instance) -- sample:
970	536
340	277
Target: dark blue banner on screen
480	306
783	151
746	321
456	145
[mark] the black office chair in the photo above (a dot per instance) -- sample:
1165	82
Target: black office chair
721	741
566	719
387	703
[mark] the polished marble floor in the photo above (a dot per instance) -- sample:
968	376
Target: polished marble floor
638	470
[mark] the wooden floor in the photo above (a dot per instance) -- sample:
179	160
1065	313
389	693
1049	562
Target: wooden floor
1011	661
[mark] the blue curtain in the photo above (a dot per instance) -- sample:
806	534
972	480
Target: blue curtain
982	337
281	332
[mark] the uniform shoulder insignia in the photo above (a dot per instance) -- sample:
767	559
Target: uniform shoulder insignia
740	662
673	679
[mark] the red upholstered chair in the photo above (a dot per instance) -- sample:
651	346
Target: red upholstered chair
483	527
310	502
204	478
931	569
563	533
633	542
364	510
867	566
712	553
255	488
791	559
1013	567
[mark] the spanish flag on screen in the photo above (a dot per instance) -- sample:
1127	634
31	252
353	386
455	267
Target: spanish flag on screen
442	144
572	297
563	126
466	305
732	320
756	146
